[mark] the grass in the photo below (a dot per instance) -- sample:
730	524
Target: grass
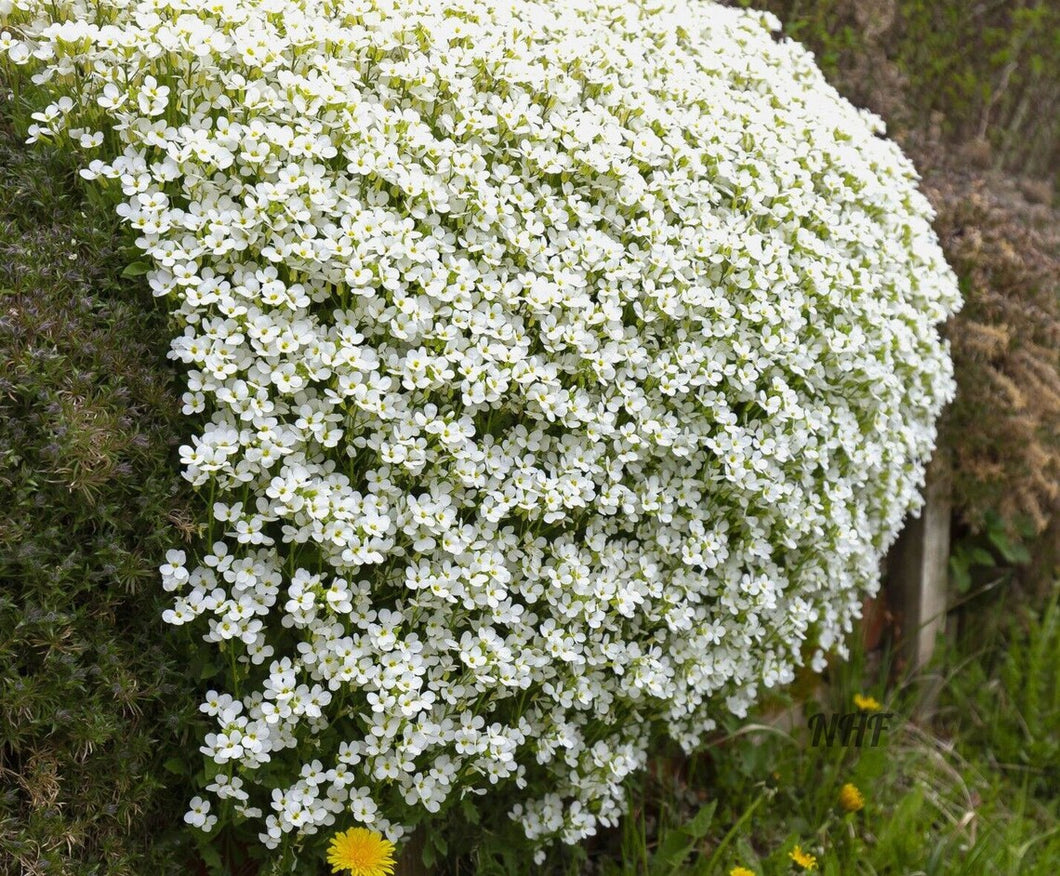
969	793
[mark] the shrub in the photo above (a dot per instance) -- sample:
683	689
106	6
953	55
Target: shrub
92	700
992	70
568	368
1004	426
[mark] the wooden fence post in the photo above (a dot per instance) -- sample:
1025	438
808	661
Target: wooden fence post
918	572
410	861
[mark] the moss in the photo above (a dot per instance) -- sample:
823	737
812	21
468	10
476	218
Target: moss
93	698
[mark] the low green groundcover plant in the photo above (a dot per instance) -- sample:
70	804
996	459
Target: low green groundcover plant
93	698
565	369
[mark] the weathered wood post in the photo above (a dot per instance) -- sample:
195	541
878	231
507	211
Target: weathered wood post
410	861
918	569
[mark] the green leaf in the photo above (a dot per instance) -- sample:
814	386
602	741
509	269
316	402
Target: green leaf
983	557
208	671
136	269
1013	553
698	827
428	855
671	852
959	572
211	857
469	809
176	765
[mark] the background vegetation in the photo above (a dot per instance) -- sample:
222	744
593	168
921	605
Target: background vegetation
980	78
95	692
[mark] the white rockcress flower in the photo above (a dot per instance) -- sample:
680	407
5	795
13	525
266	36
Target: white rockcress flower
568	368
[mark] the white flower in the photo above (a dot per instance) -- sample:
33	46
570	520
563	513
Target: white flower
198	814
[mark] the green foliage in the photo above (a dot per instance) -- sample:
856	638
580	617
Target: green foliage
991	69
985	71
1007	699
92	699
680	842
992	551
824	26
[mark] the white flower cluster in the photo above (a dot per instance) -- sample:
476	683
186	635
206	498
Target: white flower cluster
569	364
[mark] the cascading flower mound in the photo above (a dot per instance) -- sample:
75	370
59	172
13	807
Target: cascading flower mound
568	366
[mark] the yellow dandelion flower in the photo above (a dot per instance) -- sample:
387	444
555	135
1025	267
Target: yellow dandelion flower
741	871
803	859
867	704
362	852
850	798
